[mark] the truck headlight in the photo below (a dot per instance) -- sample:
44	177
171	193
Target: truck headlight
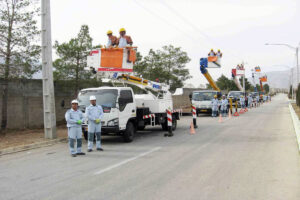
113	122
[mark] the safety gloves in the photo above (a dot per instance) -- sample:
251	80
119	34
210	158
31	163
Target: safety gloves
79	122
97	121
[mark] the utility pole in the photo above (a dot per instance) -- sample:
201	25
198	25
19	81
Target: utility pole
297	65
244	88
48	86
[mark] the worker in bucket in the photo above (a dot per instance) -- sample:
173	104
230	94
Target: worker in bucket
74	118
215	106
224	106
219	54
124	40
242	101
112	40
211	53
94	114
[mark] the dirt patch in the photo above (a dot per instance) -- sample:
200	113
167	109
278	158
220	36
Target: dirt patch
27	137
296	109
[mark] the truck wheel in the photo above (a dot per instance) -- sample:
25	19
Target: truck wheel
174	123
140	128
164	125
129	132
85	135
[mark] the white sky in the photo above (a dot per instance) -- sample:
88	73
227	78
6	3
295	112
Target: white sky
240	28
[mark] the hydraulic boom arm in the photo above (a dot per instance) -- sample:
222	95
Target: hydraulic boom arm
203	69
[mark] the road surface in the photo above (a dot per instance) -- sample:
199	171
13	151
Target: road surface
250	157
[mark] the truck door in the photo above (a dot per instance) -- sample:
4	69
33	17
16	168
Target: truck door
127	107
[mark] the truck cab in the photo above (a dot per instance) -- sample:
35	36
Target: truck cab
119	108
202	100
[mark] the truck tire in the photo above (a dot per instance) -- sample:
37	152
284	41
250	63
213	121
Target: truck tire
174	123
129	132
140	128
164	125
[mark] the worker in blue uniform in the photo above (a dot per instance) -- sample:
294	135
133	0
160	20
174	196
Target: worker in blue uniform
215	105
74	118
94	114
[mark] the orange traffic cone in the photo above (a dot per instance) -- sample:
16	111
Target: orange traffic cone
192	129
220	118
242	111
246	110
229	114
236	114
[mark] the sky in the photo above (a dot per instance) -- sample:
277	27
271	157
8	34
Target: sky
239	28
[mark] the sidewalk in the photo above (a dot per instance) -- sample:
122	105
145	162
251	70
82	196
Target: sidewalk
15	141
295	114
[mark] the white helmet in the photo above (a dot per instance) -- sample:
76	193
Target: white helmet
92	98
74	101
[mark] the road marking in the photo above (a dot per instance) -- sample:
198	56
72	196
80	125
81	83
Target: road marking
127	161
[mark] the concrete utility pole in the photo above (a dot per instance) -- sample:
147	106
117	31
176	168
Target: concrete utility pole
48	87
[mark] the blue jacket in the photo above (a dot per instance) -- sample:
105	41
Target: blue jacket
94	112
72	117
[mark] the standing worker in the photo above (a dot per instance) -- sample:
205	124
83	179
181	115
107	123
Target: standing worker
112	40
224	105
215	105
219	54
74	119
242	101
124	40
94	113
250	101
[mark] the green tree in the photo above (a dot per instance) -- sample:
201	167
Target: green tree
168	65
248	86
266	88
19	52
72	58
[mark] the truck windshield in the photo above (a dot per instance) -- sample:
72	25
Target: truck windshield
203	96
235	94
106	97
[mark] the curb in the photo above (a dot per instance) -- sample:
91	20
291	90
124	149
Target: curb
31	146
296	123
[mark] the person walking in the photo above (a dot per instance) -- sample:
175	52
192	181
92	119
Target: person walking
74	118
94	114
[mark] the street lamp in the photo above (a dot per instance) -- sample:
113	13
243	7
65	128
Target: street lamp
296	49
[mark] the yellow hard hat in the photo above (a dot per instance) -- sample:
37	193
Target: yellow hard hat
215	96
109	32
122	29
218	49
212	49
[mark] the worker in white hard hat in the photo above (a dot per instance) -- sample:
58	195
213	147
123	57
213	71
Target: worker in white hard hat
94	113
74	118
215	105
211	53
219	54
124	40
224	106
242	101
112	40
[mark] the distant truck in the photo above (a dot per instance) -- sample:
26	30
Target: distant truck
201	99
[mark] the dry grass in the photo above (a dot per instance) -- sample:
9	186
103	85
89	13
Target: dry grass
297	109
26	137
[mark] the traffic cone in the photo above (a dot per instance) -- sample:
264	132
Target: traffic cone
220	118
246	110
236	114
242	111
192	129
229	114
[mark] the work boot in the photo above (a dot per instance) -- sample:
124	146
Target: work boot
170	134
80	153
100	149
73	155
90	150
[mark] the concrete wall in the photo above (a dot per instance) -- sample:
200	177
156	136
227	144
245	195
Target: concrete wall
25	101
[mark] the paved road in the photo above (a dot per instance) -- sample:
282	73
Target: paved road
250	157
